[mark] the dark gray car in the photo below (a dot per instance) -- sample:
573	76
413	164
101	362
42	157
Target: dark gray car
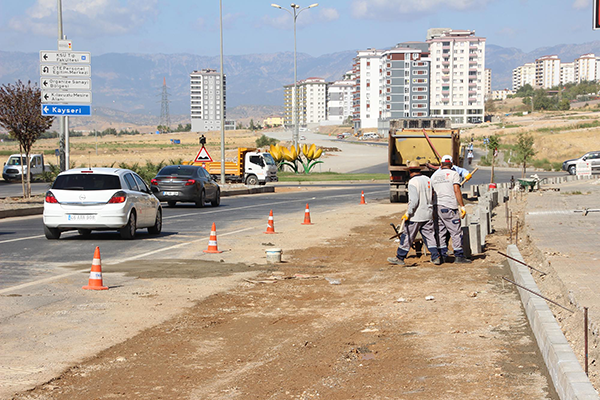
186	183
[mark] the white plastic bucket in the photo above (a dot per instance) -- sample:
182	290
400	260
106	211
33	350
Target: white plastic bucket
274	255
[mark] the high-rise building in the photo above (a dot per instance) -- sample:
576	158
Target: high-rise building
567	73
457	76
404	83
205	100
312	101
547	72
488	83
586	68
523	75
366	90
339	100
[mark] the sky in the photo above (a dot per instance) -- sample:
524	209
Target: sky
252	26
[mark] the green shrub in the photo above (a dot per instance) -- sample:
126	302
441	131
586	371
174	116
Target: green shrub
265	141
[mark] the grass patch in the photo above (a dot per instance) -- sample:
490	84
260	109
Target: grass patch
329	176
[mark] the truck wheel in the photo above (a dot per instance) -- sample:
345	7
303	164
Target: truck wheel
51	233
252	180
171	203
128	231
572	170
393	197
403	198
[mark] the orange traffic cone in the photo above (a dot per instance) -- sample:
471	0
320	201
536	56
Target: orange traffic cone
362	197
307	216
95	281
212	241
270	226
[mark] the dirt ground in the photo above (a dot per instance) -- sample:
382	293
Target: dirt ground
333	321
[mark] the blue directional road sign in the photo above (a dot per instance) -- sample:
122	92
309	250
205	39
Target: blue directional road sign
65	110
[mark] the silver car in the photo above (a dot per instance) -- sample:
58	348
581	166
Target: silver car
100	199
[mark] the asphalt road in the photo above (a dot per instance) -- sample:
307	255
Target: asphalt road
14	189
27	255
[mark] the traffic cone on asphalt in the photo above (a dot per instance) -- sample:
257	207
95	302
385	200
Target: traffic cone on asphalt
212	241
95	281
270	226
362	197
307	216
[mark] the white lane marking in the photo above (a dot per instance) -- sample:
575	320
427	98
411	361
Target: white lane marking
40	281
226	209
118	261
34	237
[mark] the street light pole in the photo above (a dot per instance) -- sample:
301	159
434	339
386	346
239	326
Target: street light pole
222	98
296	11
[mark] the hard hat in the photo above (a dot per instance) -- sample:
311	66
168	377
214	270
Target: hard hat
446	159
413	165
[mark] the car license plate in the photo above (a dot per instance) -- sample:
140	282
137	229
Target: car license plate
170	193
81	217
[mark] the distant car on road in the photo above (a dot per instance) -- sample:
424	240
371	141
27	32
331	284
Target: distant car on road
186	183
100	199
302	137
593	157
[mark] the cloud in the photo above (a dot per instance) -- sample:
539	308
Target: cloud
85	17
386	9
581	4
508	31
329	14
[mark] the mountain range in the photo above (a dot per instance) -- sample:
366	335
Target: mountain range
132	83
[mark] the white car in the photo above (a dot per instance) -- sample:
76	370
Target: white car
100	199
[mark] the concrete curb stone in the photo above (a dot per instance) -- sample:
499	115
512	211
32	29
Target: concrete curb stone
568	377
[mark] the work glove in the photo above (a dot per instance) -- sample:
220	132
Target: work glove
463	212
404	217
468	177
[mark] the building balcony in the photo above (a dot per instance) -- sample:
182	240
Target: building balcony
445	92
445	77
471	84
445	47
472	100
445	63
472	69
472	47
472	92
445	70
472	62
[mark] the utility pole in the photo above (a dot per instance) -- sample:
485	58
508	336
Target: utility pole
165	118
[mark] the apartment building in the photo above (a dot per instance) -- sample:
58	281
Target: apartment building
488	83
365	102
567	73
404	82
523	75
457	75
586	68
312	102
206	90
340	100
501	94
547	72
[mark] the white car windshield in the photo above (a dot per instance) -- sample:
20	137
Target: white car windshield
14	161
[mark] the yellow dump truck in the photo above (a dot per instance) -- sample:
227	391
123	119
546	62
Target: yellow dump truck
251	167
419	140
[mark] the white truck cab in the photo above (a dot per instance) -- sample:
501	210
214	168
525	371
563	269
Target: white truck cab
16	165
259	168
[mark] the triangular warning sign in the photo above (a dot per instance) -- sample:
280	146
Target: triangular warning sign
203	156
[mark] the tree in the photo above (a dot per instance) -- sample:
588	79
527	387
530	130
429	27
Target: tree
492	145
524	150
21	116
490	106
564	105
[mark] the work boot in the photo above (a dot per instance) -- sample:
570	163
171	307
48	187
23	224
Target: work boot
462	260
437	261
395	260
